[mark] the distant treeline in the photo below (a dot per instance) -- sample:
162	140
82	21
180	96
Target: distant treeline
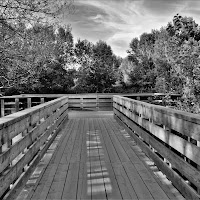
43	58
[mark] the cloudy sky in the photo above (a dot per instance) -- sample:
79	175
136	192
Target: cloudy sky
118	21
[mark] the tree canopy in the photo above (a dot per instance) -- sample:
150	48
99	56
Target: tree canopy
167	60
37	56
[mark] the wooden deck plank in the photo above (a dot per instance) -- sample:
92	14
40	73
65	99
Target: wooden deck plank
68	150
43	187
56	190
148	177
124	183
76	155
139	186
125	187
96	166
97	159
51	176
137	156
115	192
82	176
113	156
122	136
70	186
111	186
115	142
142	171
88	167
68	131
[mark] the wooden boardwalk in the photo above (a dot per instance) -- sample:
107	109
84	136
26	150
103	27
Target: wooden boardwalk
97	159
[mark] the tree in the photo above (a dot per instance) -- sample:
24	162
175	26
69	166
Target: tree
125	68
55	79
29	55
102	72
184	28
39	52
83	51
97	71
14	12
142	76
165	51
183	51
84	58
19	20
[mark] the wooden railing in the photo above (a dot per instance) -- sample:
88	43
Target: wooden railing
170	137
12	104
91	101
34	120
25	136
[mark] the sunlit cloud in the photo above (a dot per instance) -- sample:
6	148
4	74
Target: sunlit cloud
118	21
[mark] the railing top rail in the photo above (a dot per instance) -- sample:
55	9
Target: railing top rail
86	94
15	117
33	95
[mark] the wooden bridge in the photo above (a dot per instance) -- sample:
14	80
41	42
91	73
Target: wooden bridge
134	151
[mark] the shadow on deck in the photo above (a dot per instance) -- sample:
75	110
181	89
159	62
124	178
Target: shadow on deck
93	157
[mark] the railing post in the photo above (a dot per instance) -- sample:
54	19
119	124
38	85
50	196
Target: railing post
2	108
28	102
16	104
81	103
97	102
42	100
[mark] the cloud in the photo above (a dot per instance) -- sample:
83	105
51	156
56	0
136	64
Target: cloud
192	9
119	21
97	18
116	18
120	42
162	7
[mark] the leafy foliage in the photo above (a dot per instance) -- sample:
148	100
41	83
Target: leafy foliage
40	51
98	67
168	61
15	12
39	57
